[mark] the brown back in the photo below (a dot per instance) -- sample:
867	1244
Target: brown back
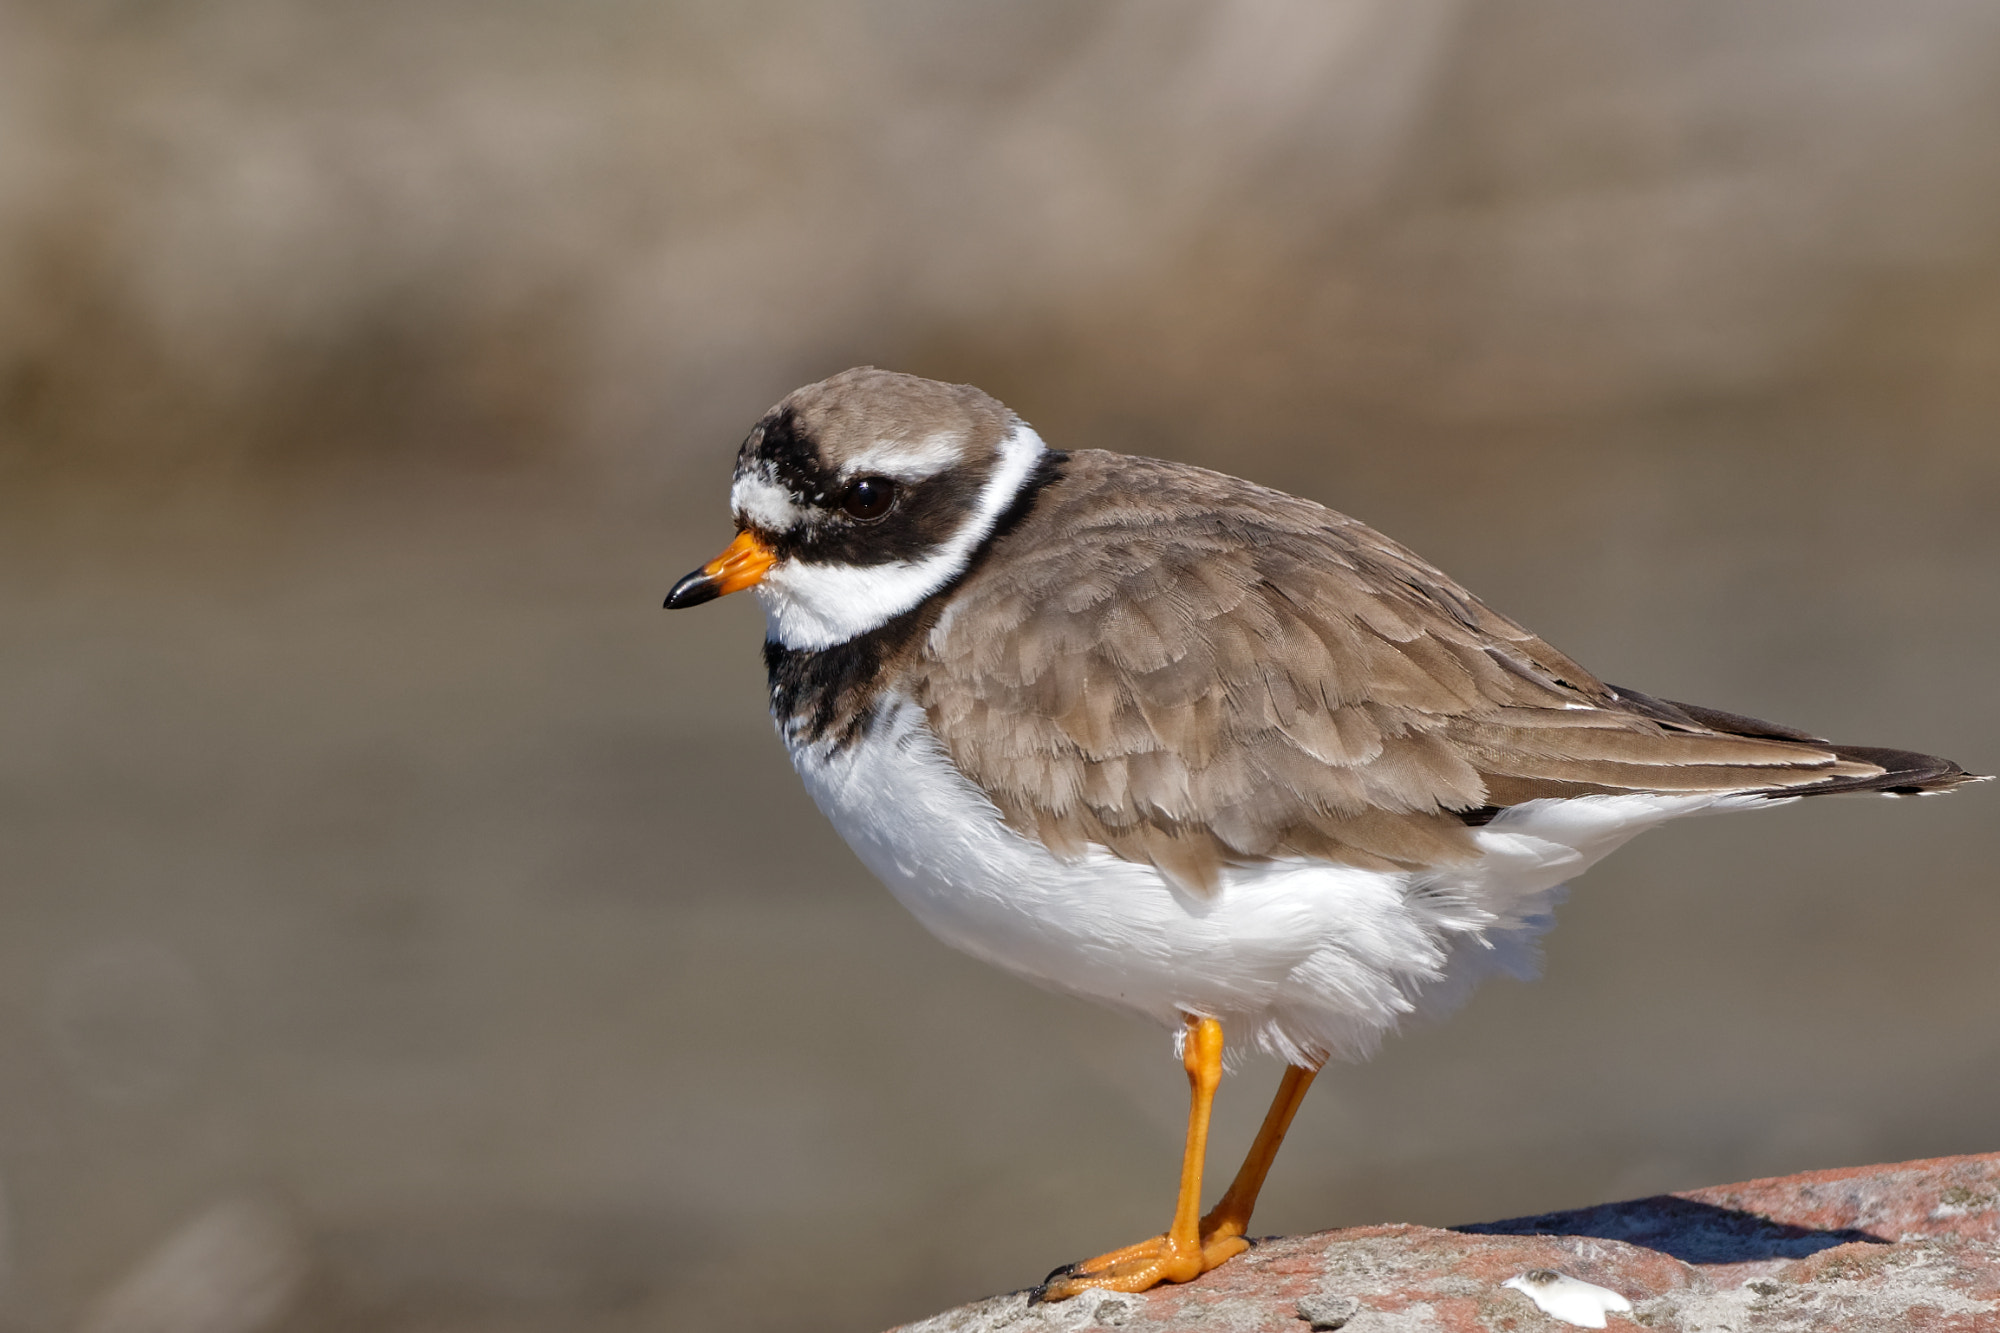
1195	671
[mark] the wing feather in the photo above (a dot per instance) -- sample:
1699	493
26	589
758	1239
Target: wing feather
1195	672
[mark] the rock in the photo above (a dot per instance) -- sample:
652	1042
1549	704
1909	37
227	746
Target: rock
1323	1310
1907	1248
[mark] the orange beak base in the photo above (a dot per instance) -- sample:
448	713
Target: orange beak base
742	566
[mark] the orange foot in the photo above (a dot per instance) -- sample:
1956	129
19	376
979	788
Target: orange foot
1141	1267
1192	1247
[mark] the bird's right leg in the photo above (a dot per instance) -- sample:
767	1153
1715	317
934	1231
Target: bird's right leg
1180	1254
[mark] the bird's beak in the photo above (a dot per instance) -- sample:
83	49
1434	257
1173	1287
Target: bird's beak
742	566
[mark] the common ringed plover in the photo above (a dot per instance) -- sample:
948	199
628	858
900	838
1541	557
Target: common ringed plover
1190	747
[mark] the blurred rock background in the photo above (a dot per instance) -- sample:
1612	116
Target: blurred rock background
407	927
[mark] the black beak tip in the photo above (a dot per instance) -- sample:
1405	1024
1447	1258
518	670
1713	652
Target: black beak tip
693	590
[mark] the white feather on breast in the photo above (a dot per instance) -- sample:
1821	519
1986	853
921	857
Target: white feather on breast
1302	959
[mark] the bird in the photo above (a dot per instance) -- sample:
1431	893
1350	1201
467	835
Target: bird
1190	747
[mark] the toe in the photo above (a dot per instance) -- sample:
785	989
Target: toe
1057	1286
1135	1268
1219	1250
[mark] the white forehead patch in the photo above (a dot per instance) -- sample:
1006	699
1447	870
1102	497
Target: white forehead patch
905	461
757	500
809	606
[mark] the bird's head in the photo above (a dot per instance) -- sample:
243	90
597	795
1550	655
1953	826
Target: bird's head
859	496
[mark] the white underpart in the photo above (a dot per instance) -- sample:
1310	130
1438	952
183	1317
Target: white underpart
809	606
1302	959
1570	1299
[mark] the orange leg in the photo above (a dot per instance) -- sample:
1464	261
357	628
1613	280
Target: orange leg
1230	1217
1178	1255
1190	1248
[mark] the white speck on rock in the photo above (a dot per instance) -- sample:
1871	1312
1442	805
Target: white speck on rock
1569	1299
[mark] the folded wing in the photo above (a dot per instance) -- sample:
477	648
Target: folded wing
1195	672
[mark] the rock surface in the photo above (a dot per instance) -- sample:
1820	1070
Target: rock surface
1912	1246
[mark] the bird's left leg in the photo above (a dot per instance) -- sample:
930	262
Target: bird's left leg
1230	1218
1179	1255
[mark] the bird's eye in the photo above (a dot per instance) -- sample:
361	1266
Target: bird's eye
868	498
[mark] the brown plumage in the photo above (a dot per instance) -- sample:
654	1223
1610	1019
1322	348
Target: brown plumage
1195	671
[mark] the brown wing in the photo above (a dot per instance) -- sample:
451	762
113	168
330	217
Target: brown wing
1194	671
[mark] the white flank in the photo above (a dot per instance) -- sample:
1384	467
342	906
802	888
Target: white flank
1301	959
809	606
1570	1299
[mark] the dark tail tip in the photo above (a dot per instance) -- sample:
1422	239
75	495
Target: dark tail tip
1904	773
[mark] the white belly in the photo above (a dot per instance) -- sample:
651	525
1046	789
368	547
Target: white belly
1303	959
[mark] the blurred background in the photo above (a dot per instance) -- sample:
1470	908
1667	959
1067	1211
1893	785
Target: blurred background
405	925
